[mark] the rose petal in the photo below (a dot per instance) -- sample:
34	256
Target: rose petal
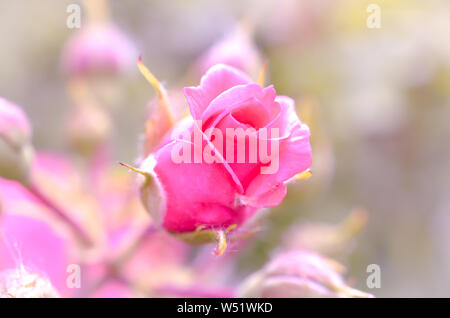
197	193
243	97
218	79
294	154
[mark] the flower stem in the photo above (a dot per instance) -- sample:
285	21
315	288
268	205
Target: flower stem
61	214
132	249
116	265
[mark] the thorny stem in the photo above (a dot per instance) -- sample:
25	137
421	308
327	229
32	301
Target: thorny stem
61	214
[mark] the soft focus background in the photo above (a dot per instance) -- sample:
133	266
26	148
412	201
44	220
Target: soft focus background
377	101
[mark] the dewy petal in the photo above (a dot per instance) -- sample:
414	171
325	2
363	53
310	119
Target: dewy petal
218	79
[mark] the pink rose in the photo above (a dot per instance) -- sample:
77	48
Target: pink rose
204	180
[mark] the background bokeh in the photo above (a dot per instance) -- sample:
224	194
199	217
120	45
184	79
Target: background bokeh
377	101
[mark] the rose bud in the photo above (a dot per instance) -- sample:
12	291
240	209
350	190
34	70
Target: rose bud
21	283
236	49
204	179
298	274
99	48
16	152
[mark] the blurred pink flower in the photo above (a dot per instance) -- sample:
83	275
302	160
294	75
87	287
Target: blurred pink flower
220	194
101	48
293	22
299	274
236	50
107	207
30	243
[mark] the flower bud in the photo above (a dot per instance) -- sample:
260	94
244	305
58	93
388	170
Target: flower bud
98	48
16	152
236	49
299	274
21	283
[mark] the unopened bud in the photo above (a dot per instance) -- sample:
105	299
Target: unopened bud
236	49
98	49
16	152
297	275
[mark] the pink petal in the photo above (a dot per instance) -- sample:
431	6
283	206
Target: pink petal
259	196
218	79
197	193
242	97
295	155
34	244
